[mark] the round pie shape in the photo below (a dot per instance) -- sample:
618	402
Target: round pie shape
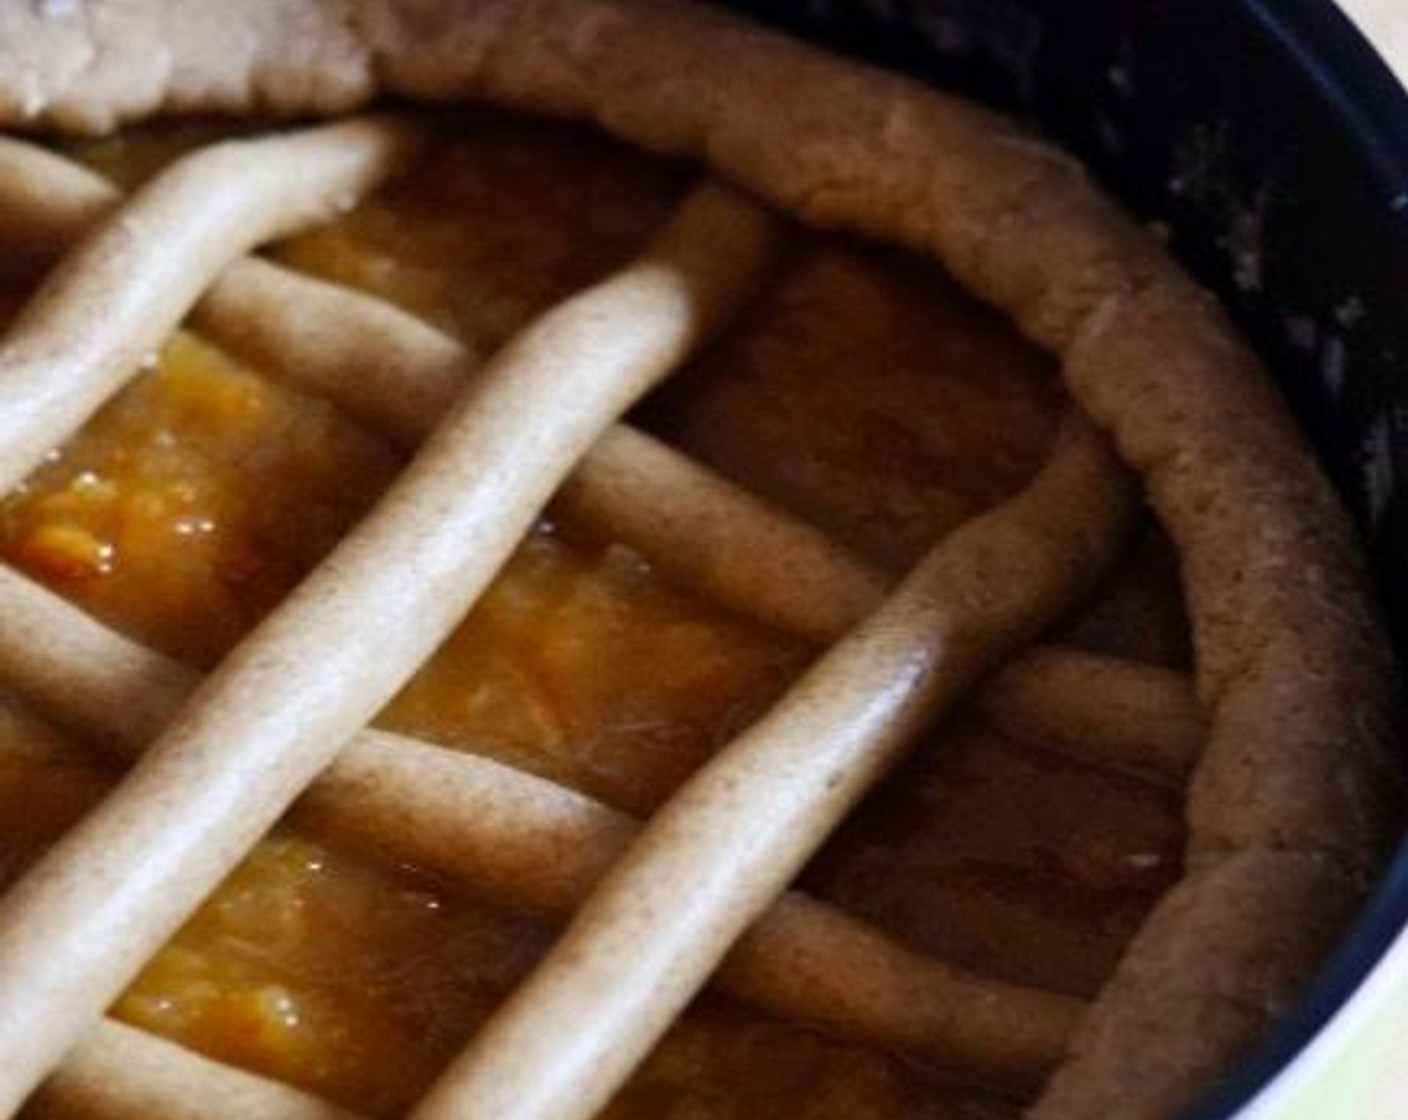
1290	801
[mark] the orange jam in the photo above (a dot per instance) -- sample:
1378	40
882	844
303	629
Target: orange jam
862	390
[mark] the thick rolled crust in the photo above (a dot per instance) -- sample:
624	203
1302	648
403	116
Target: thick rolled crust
1290	660
1292	800
1222	955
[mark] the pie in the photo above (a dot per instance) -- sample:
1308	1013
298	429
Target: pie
842	672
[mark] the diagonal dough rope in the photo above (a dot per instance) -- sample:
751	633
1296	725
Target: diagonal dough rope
1137	719
526	841
117	1072
743	826
406	373
78	927
103	311
399	374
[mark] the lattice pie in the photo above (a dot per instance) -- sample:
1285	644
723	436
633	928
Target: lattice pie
649	622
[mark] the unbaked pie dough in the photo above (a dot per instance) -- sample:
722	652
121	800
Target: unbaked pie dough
791	596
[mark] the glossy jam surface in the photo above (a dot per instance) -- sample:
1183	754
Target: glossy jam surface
192	501
862	390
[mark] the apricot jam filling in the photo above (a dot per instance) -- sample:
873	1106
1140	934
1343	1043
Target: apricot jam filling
863	391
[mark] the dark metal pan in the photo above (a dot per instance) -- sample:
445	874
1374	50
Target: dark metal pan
1272	143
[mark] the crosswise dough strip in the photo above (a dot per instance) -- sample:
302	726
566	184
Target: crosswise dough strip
522	840
118	1072
78	927
1134	718
744	825
399	374
47	202
102	313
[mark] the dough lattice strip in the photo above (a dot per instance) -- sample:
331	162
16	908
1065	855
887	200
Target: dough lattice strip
117	1072
744	825
47	201
277	710
398	375
525	841
1126	716
102	313
253	292
1292	804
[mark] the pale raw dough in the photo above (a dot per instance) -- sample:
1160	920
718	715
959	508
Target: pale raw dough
1292	803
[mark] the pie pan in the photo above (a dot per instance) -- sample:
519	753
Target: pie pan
1278	851
1271	142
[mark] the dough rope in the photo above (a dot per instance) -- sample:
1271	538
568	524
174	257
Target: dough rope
1289	791
117	1072
101	314
524	841
398	375
320	666
741	828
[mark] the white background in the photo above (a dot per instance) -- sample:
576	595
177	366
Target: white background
1386	23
